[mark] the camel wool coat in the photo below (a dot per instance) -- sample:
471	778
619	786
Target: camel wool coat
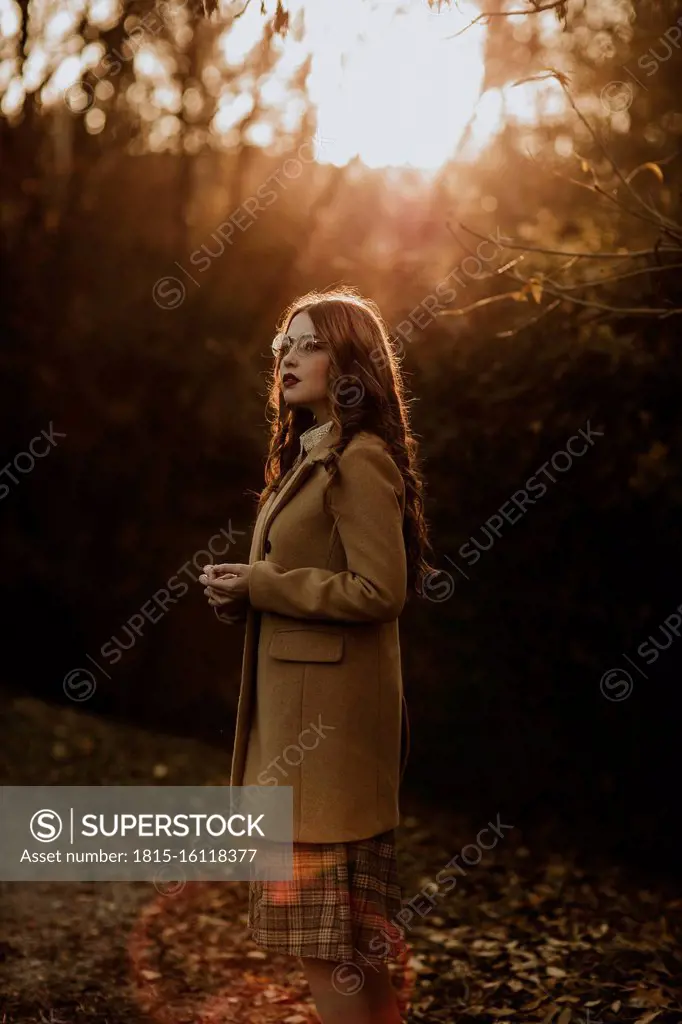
321	705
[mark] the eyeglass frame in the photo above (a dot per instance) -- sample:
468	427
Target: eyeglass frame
294	343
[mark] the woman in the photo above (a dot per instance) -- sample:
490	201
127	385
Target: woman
339	538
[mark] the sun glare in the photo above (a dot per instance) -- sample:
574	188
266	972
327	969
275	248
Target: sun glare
388	84
388	80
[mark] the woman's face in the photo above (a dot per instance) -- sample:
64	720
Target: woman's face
311	370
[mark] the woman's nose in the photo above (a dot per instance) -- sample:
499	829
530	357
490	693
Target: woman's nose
289	362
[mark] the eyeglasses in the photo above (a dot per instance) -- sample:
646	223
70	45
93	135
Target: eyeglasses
282	344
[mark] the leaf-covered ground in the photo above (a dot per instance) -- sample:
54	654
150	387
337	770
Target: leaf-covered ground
529	933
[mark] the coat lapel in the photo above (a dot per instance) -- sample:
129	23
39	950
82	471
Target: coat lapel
290	484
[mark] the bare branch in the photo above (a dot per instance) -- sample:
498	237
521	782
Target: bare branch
489	300
598	282
537	8
658	221
561	79
560	297
557	291
531	322
631	310
509	244
207	8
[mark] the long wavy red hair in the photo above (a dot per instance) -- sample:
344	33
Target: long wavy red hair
366	391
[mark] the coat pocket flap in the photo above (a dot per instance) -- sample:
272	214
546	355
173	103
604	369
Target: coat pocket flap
305	645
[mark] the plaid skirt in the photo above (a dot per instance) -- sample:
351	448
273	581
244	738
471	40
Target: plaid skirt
341	904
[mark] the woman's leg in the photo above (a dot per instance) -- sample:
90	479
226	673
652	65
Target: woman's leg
381	995
353	995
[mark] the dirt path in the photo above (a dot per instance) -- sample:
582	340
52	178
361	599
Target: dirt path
524	935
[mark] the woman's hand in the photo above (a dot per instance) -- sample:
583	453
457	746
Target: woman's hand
225	583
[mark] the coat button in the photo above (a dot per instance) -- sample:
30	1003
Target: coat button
268	547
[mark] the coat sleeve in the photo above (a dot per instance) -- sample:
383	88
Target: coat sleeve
366	498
